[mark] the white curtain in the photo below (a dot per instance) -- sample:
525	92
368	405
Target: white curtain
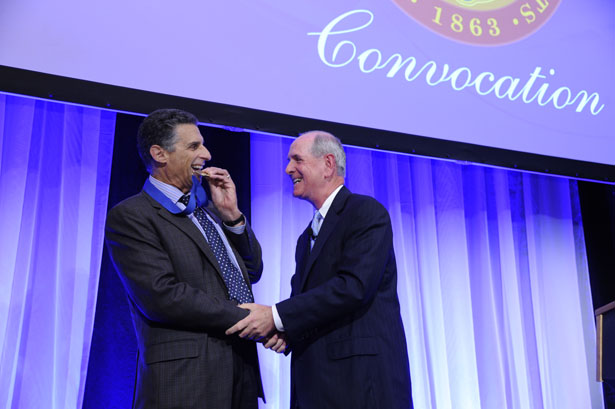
493	278
55	162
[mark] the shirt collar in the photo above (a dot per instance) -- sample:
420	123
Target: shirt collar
327	204
169	191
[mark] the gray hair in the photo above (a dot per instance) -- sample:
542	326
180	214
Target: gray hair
325	143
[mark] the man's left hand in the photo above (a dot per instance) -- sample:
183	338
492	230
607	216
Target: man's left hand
257	325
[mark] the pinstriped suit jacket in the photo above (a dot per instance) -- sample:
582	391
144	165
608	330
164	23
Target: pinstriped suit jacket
343	319
179	304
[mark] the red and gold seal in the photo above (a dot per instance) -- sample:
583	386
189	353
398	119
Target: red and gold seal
481	22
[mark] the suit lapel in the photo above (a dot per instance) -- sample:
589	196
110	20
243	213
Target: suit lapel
302	252
186	225
327	228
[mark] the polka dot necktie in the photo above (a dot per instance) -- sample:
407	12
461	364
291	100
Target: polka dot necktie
237	287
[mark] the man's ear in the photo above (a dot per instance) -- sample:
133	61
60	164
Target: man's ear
330	164
158	153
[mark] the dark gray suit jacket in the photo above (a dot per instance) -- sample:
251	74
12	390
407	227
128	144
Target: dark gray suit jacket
179	304
343	319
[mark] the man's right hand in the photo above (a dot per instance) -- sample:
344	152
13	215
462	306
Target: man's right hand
277	342
257	325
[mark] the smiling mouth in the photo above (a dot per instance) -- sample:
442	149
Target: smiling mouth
198	169
297	180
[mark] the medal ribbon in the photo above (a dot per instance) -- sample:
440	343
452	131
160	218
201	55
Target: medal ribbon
198	197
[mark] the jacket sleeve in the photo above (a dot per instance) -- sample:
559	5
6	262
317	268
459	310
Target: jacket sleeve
249	251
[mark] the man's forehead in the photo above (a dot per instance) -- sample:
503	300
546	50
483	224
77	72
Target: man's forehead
302	143
189	133
297	149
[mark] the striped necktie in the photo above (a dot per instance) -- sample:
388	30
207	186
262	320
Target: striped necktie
316	223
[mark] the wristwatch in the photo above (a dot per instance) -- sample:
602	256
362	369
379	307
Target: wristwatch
235	222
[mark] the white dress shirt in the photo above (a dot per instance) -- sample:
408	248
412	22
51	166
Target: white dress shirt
324	209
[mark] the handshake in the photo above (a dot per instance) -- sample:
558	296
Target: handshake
260	327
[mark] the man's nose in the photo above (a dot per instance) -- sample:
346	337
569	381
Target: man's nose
205	154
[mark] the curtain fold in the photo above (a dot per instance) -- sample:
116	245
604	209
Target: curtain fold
493	279
54	175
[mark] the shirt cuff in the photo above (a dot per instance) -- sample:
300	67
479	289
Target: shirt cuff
236	229
276	319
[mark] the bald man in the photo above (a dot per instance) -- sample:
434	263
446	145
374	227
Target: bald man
342	321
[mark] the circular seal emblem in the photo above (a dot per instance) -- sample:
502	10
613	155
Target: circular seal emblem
481	22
